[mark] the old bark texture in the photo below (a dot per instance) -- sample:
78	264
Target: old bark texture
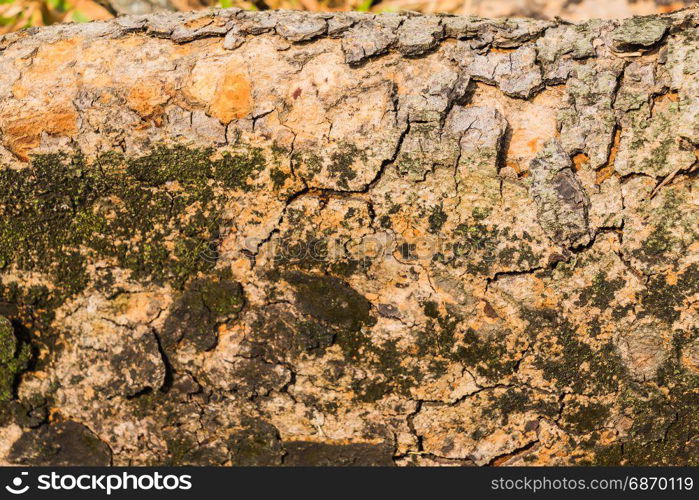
282	238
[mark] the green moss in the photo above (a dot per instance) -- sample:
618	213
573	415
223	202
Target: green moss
222	297
178	447
14	359
585	418
601	293
431	309
341	162
436	219
331	300
506	256
665	421
488	354
664	431
348	315
60	212
520	255
192	167
663	300
309	164
520	400
257	444
394	377
480	213
657	246
34	303
673	229
278	178
205	304
560	353
526	256
412	165
476	243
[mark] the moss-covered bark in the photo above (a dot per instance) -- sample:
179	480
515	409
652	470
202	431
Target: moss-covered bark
344	239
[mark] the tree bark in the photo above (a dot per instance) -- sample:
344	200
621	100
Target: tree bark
346	239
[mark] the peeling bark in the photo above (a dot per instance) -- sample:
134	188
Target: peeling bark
264	238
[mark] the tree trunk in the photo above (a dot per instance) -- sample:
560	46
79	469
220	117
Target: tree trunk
347	239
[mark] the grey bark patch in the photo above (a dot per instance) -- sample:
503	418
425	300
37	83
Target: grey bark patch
256	23
480	129
365	40
300	28
561	201
183	34
233	39
638	32
638	84
339	23
587	121
419	35
132	23
575	42
510	33
440	92
516	73
461	27
163	26
61	444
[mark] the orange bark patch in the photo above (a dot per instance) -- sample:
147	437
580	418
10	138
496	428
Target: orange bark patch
501	50
606	172
579	160
233	99
199	22
22	134
671	7
603	174
47	65
205	21
147	99
531	122
516	167
534	145
671	96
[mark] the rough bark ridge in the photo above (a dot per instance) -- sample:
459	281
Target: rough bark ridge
281	238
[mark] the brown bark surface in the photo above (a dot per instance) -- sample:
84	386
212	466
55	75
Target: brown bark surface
346	239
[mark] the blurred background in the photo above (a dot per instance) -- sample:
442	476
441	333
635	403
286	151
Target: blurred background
18	14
